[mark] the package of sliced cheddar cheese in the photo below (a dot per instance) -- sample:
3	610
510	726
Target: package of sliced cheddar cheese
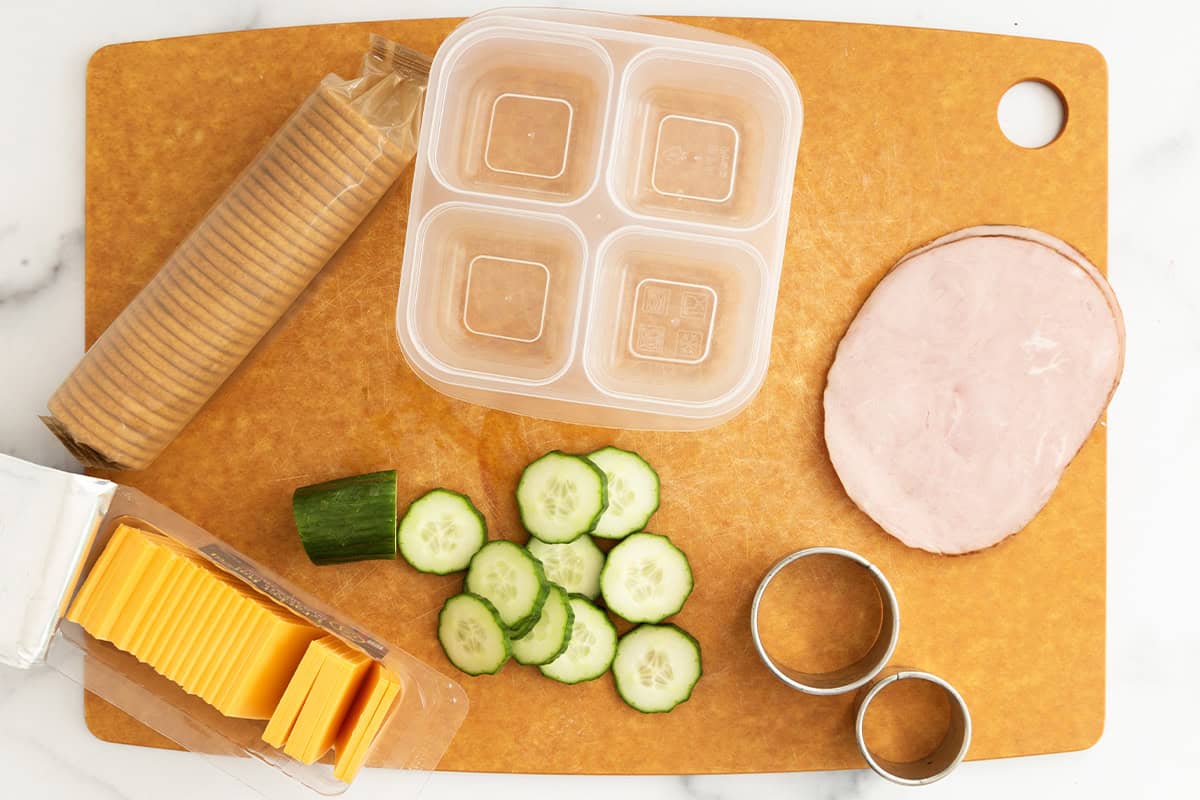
202	644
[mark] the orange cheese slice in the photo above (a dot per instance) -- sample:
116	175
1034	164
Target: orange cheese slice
364	705
112	581
199	626
144	595
256	690
175	605
347	768
120	583
187	627
228	647
261	621
152	621
333	692
283	719
201	651
210	647
180	581
83	600
363	721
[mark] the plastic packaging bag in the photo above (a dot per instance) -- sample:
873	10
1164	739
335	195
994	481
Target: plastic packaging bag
242	267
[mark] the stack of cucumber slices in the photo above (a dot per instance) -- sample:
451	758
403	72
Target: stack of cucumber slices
540	603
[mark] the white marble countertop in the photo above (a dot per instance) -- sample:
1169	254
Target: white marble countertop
1150	746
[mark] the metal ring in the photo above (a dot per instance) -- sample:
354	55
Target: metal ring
848	678
945	757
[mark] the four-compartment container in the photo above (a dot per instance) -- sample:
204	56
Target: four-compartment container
598	217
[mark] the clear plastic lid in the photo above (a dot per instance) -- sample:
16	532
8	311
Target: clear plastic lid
598	217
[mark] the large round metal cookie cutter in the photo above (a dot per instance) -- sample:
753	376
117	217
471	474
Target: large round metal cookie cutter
848	678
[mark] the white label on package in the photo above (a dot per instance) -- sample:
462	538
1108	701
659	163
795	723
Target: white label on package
48	519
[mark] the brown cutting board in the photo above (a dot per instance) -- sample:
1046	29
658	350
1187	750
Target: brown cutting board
900	145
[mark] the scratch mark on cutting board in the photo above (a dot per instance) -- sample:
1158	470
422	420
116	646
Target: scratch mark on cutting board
428	613
287	478
524	429
345	587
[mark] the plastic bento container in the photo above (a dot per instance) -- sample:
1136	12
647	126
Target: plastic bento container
55	525
598	217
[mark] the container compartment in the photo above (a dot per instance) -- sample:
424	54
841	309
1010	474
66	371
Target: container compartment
674	317
698	140
523	116
498	292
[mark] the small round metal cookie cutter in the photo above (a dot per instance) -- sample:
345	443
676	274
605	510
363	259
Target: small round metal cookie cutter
938	764
848	678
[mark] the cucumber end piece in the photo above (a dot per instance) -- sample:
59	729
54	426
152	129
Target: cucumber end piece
347	519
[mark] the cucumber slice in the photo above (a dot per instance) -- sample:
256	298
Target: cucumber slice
512	580
656	667
552	633
591	649
632	492
646	578
441	531
561	497
348	519
575	566
472	635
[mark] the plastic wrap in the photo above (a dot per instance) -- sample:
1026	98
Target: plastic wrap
244	265
63	522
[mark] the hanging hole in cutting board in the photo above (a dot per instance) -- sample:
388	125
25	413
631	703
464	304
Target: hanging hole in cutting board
907	721
820	614
1032	113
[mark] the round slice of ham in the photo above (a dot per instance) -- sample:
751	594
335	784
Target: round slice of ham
968	381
